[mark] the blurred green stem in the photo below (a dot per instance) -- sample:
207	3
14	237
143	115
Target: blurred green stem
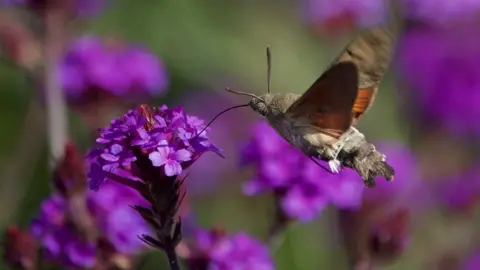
19	166
54	96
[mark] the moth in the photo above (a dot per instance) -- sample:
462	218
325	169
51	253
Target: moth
321	122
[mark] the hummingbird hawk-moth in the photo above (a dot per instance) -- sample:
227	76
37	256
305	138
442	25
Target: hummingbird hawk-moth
321	121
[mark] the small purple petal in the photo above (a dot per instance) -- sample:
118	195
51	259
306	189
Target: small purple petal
183	155
172	168
157	159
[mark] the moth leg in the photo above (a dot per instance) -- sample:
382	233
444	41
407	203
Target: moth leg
335	163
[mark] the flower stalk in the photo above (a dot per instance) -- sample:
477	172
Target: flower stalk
54	96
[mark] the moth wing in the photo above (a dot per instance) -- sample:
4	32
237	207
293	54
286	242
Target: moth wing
328	103
371	52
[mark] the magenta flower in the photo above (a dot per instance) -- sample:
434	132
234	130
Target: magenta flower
435	11
92	66
460	191
441	68
302	188
214	250
59	240
169	158
407	184
113	216
154	132
121	225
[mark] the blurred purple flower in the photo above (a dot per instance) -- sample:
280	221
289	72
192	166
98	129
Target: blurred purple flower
461	192
379	230
407	184
357	12
441	67
91	66
216	251
303	189
81	7
472	262
58	238
436	12
154	132
120	224
112	212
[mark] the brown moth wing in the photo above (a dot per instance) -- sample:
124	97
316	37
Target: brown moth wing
328	103
371	51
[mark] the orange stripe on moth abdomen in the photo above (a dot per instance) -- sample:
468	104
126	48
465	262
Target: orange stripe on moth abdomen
363	100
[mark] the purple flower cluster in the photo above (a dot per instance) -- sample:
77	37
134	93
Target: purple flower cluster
461	192
91	65
305	189
445	11
118	222
441	67
407	184
59	239
238	251
81	7
360	12
171	139
111	211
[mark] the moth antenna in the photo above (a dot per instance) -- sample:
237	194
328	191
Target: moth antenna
218	115
269	67
242	93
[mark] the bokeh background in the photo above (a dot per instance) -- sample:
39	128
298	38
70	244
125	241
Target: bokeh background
429	102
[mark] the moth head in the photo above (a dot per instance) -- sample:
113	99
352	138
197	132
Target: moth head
260	104
257	103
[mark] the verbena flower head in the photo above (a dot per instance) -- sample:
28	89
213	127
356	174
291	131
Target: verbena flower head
75	225
92	66
440	12
167	135
441	67
345	12
117	220
114	219
461	191
214	250
302	188
58	238
407	184
80	7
